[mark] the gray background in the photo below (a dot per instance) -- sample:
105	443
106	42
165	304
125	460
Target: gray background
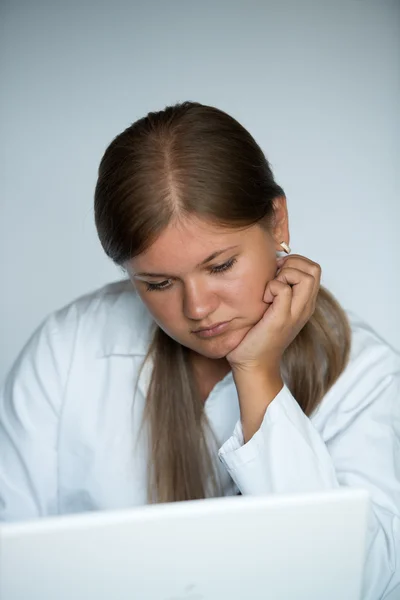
316	83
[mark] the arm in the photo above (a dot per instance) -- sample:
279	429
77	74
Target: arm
353	441
256	390
30	405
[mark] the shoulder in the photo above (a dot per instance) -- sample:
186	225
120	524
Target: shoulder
370	380
369	350
111	319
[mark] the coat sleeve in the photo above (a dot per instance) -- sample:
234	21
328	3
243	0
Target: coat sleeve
356	444
30	404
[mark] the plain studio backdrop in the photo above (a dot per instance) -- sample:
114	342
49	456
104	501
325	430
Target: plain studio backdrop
317	83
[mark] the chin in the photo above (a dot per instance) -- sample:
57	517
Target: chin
220	346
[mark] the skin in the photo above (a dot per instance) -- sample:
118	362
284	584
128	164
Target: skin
267	301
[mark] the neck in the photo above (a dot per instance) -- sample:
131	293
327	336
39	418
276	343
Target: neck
208	372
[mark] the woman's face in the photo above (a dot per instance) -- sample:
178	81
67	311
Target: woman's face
184	295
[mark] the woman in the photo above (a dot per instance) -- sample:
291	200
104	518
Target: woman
125	396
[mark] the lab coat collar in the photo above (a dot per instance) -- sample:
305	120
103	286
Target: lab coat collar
129	327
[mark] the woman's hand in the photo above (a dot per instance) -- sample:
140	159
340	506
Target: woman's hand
290	300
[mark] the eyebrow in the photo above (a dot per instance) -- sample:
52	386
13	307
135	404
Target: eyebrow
204	262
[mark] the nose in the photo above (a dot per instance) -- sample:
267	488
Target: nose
198	301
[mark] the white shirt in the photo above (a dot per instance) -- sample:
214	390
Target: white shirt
69	421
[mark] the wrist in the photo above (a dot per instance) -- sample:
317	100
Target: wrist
270	380
256	390
269	371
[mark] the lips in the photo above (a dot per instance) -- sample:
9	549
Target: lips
217	329
211	327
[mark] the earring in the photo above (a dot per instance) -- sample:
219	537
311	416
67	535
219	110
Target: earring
285	247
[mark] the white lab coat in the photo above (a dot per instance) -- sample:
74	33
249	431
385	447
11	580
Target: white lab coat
69	424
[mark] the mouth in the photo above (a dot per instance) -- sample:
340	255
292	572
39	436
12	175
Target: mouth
212	331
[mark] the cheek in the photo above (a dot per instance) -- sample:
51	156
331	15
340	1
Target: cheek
248	287
161	313
159	309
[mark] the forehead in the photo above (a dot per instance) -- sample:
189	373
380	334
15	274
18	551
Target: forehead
184	244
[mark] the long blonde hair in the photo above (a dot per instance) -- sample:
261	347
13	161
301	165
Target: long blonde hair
193	159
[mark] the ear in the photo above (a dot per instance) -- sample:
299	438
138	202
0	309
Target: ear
280	229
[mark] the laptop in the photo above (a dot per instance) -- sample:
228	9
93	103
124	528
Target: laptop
276	547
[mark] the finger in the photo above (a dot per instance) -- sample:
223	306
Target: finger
303	264
280	295
303	287
297	256
294	277
297	259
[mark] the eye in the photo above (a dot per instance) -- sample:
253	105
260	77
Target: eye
163	285
225	267
157	286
